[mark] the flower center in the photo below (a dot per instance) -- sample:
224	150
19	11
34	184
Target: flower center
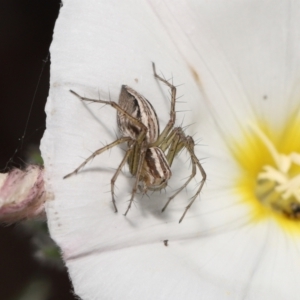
278	185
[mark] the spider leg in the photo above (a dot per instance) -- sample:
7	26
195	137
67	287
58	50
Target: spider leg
114	178
138	174
133	160
189	145
135	121
175	142
171	122
99	151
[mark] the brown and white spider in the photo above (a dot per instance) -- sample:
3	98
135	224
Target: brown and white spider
150	154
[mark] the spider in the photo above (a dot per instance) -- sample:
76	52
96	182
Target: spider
150	154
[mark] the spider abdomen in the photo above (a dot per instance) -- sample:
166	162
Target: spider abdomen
156	170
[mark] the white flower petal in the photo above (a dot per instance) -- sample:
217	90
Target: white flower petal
246	54
216	253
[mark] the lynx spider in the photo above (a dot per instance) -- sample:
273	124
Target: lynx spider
150	154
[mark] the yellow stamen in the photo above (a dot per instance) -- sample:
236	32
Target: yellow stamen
270	180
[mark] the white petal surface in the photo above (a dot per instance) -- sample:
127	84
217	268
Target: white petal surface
216	253
246	53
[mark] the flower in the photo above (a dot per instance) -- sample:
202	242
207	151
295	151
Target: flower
270	181
239	62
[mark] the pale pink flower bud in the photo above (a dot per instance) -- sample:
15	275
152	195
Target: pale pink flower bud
22	194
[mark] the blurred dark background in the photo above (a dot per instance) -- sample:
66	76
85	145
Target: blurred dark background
30	268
